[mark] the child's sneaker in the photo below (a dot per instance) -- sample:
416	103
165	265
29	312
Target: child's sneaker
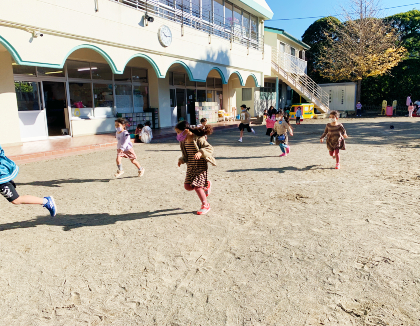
119	173
141	172
287	150
284	154
207	190
253	131
271	143
51	206
204	209
337	166
240	140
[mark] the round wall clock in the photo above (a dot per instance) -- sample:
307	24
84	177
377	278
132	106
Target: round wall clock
165	36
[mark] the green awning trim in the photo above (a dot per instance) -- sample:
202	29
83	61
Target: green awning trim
285	34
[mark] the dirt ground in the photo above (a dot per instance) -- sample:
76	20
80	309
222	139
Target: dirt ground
289	241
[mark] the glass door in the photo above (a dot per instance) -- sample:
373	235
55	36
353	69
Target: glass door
55	104
191	106
180	103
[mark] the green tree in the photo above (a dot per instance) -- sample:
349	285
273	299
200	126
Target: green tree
316	36
408	26
362	47
403	79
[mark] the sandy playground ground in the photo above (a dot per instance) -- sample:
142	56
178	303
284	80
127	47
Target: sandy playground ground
289	241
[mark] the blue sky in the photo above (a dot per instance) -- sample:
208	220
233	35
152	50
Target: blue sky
309	8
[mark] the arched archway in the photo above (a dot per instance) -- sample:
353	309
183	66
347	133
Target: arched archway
96	49
149	60
239	76
251	81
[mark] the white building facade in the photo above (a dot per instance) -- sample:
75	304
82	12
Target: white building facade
73	66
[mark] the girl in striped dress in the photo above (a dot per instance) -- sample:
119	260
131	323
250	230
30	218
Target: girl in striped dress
196	153
335	133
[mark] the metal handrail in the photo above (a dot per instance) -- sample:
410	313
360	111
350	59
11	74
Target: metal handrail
285	65
188	14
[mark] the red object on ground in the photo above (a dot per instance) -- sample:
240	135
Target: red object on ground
389	111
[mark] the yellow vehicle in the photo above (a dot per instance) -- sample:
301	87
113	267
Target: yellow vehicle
308	110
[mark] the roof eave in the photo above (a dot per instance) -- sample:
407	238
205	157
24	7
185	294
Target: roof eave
287	35
266	13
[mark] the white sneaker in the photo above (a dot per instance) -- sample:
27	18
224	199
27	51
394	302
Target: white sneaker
240	140
253	131
204	209
141	172
119	173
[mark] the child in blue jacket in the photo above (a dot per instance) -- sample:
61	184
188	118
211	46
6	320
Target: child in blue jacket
9	171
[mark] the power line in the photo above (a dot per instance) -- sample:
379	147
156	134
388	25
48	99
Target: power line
299	18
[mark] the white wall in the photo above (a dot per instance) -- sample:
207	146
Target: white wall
9	121
119	32
342	96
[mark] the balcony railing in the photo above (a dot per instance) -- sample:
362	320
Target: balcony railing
292	64
189	14
295	75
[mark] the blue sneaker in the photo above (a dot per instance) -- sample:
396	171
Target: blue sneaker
50	205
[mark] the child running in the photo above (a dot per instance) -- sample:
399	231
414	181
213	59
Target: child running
196	152
281	127
271	120
125	148
9	171
335	133
245	122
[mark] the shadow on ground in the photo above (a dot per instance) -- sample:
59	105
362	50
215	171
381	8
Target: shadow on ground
59	182
69	221
282	170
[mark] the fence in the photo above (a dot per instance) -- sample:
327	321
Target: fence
203	18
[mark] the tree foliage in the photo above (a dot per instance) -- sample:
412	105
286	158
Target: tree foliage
408	26
316	36
360	48
403	79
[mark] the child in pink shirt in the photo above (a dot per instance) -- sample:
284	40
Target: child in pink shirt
270	125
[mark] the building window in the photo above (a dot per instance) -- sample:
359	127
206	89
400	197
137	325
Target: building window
27	96
79	69
23	70
218	83
101	71
139	75
124	98
50	72
125	76
292	51
141	98
81	99
179	79
210	82
246	94
103	100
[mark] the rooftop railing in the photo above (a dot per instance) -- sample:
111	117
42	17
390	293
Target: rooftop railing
188	13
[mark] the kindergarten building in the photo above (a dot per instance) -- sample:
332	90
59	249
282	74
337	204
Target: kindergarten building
69	68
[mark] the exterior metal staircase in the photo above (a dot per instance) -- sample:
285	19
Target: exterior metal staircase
293	74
